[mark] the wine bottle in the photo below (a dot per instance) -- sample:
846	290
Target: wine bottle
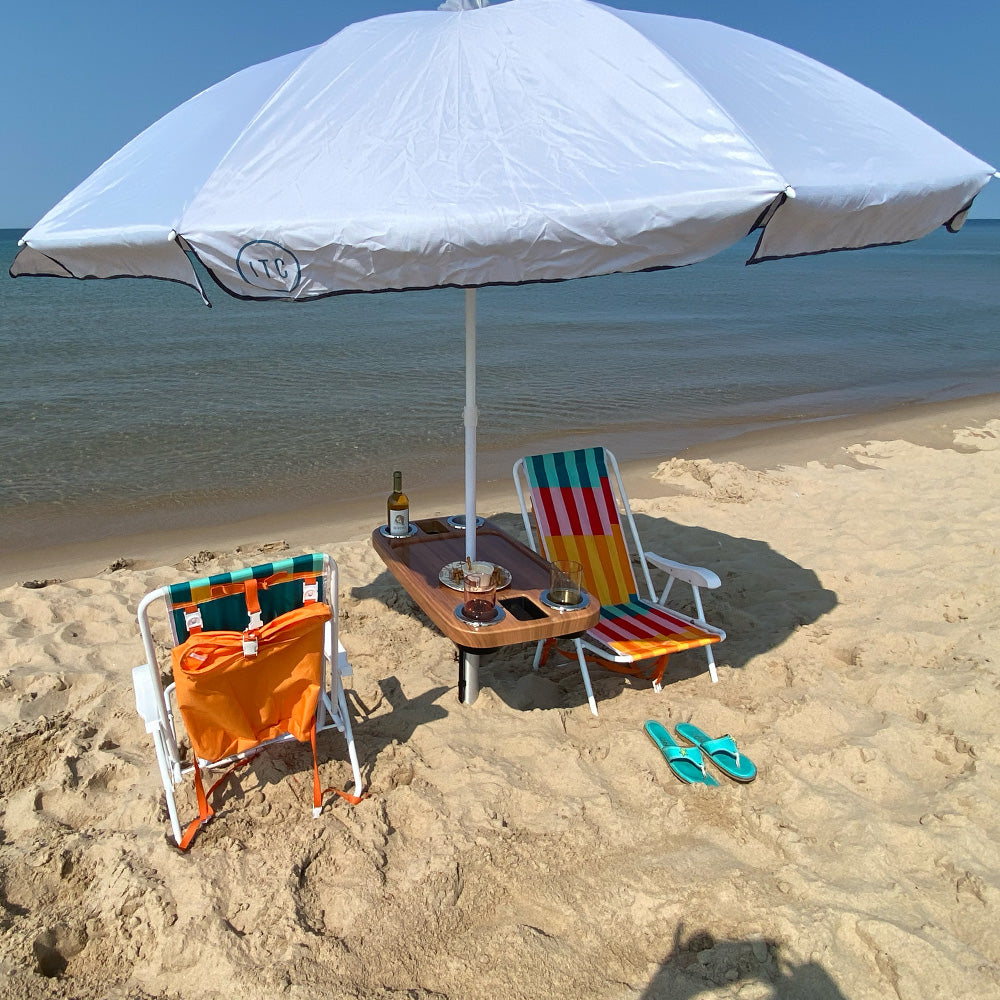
398	508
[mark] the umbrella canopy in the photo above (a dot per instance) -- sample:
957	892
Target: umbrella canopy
533	140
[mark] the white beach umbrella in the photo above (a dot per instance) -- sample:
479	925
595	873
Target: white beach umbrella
532	140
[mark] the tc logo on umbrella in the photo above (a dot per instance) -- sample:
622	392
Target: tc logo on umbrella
266	264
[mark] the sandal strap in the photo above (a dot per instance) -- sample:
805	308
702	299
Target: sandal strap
691	754
724	744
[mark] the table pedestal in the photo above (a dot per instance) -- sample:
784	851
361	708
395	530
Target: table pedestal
468	676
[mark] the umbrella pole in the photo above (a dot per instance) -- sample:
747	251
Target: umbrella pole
471	421
468	663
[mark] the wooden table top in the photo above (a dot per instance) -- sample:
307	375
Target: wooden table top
417	560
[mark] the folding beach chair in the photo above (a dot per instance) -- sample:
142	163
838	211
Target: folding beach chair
253	663
578	501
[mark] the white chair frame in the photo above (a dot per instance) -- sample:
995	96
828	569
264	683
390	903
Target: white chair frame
155	704
697	577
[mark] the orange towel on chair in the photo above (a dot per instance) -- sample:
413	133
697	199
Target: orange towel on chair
230	702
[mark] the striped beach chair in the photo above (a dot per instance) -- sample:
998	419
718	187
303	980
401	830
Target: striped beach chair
581	512
256	661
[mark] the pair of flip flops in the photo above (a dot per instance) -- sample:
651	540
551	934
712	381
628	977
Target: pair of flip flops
688	761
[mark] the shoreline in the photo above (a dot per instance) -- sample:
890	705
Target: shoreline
823	441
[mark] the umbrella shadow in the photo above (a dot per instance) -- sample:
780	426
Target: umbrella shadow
764	598
700	963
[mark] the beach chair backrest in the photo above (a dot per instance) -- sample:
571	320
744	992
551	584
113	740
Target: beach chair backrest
219	603
577	517
256	660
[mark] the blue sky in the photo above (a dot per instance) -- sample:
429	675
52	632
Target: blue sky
81	79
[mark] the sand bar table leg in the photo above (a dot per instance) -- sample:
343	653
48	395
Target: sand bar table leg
468	676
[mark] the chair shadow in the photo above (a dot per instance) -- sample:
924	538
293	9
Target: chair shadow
278	763
764	598
374	733
700	963
292	760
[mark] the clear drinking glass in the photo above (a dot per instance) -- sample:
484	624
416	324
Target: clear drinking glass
565	582
480	597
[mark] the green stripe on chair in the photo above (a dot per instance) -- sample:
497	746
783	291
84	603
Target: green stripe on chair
626	609
584	467
181	593
229	613
590	466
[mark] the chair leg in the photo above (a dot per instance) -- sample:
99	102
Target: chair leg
151	704
340	667
701	621
658	671
586	676
168	785
711	664
542	652
349	736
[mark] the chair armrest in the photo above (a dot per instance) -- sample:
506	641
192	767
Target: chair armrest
147	702
342	662
697	576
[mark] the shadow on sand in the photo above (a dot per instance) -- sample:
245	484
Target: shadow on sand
764	598
700	963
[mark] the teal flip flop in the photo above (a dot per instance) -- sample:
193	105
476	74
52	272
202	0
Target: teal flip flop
686	762
722	752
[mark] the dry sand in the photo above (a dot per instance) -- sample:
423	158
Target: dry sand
520	847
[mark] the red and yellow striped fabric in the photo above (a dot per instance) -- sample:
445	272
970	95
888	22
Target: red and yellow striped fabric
639	630
577	518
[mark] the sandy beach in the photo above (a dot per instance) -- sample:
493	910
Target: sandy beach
520	847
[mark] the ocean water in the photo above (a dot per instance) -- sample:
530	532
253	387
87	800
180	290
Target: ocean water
128	403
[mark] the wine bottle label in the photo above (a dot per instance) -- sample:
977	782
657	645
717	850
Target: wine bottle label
399	521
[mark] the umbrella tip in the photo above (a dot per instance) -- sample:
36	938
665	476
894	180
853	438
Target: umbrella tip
790	191
172	236
463	4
